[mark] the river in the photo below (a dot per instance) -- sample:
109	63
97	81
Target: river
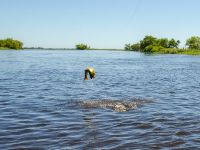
41	92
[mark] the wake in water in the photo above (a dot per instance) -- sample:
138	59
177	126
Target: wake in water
115	105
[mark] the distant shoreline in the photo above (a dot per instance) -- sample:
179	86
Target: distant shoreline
109	49
164	51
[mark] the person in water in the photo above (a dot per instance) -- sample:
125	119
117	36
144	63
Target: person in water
89	71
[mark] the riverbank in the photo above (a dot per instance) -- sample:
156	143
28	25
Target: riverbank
176	51
153	45
4	48
191	52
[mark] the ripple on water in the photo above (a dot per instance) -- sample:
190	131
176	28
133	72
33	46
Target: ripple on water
173	143
183	133
145	126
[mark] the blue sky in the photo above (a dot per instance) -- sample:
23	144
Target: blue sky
98	23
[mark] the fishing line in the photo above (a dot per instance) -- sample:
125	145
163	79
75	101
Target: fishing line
133	11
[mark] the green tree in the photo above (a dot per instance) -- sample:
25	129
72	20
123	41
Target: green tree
148	40
127	46
10	43
82	46
135	47
173	43
193	42
164	42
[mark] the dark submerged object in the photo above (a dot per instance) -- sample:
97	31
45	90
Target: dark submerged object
89	71
115	105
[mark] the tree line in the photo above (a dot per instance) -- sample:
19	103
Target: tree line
149	44
11	44
152	44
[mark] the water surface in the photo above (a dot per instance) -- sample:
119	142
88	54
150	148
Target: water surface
40	92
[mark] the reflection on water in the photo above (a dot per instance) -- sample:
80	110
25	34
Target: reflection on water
46	104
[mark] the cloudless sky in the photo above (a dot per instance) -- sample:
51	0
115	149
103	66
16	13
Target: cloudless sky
98	23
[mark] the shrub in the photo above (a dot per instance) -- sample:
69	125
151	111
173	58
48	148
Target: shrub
82	46
11	44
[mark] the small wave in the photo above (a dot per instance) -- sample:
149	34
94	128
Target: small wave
183	133
115	105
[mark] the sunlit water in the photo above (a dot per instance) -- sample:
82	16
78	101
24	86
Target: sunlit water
40	93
